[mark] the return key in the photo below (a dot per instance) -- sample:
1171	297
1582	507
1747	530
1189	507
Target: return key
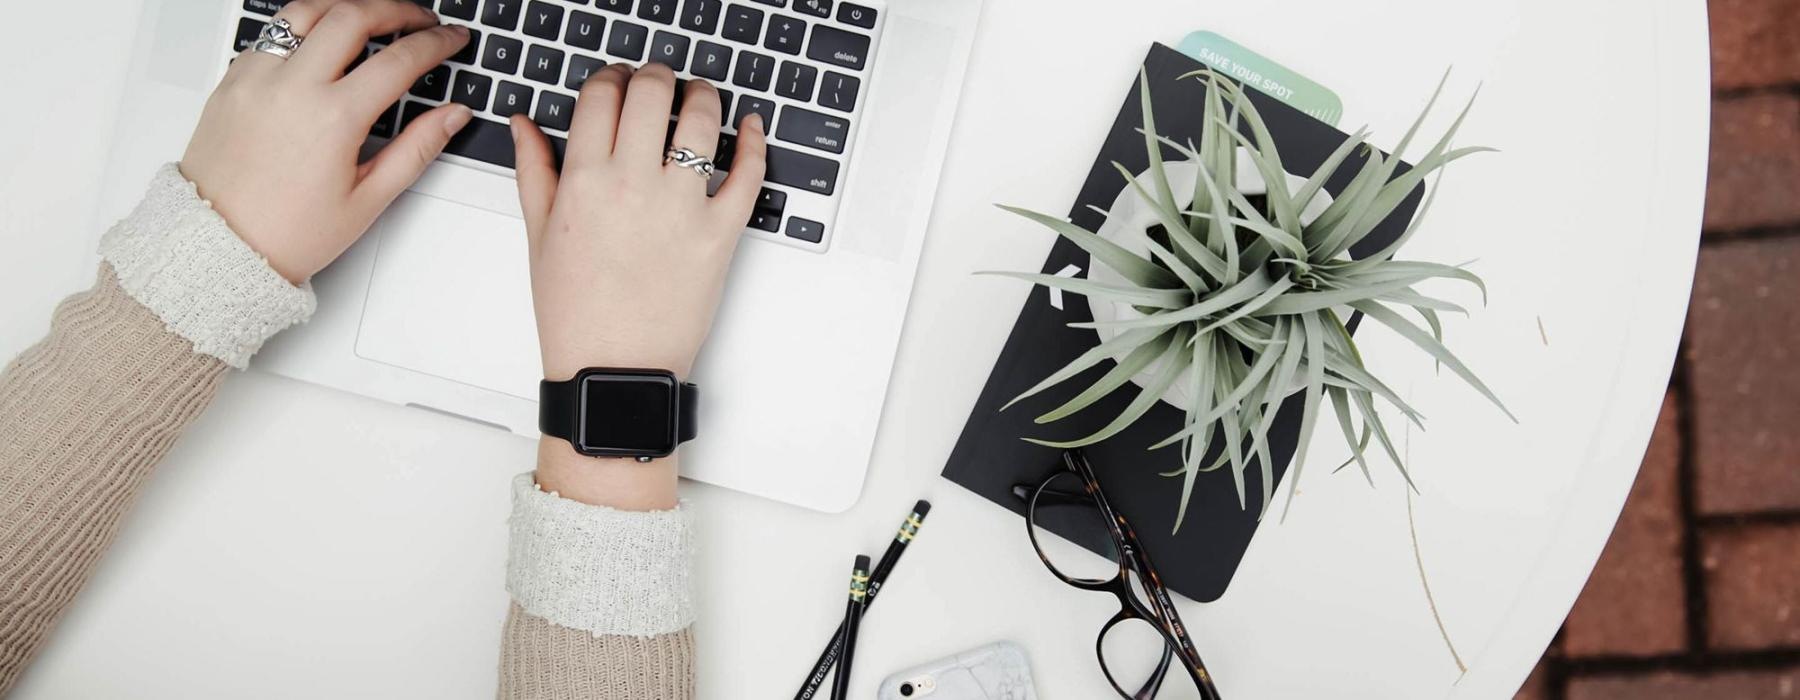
809	128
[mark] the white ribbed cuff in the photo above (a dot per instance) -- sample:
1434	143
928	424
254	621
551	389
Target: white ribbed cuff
597	569
178	258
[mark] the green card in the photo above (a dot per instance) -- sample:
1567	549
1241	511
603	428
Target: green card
1269	77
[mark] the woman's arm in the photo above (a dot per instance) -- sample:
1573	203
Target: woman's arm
628	256
210	264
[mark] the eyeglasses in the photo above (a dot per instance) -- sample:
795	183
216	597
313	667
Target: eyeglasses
1070	501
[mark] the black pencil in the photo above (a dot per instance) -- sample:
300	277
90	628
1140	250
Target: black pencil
859	602
908	530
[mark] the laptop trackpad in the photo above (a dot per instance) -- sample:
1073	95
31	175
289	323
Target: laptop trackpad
450	296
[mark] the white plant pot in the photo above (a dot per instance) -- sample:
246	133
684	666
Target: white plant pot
1129	212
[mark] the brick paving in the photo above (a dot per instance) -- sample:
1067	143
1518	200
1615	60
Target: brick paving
1697	595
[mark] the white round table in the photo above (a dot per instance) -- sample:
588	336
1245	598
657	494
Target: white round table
306	543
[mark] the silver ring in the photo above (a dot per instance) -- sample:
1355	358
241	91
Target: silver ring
277	39
687	158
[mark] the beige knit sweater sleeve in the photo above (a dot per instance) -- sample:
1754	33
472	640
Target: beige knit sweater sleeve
602	603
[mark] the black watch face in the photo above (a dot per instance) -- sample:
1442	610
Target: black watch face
628	414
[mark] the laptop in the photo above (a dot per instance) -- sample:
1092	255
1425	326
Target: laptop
433	309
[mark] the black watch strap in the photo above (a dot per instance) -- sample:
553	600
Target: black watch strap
559	408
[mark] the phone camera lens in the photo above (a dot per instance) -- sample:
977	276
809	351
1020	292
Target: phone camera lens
906	690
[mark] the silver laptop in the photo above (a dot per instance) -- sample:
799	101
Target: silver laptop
433	309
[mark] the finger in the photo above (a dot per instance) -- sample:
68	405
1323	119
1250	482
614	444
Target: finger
698	128
596	120
536	166
737	195
400	163
644	120
301	16
345	29
380	81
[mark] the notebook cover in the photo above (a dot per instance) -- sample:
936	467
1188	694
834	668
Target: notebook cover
990	457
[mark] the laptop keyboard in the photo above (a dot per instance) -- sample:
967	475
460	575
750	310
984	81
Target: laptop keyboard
801	64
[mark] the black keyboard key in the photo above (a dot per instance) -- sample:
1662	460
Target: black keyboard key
727	150
411	111
857	15
559	147
622	7
795	81
434	85
471	89
816	8
502	13
627	40
387	123
543	20
766	221
265	7
584	30
809	128
805	230
774	3
554	111
785	34
484	140
724	102
502	54
712	61
743	24
700	16
661	11
839	91
469	51
838	47
460	9
752	103
771	200
808	172
248	29
544	64
669	49
754	71
580	69
511	98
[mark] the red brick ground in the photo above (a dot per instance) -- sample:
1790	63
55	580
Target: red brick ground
1697	595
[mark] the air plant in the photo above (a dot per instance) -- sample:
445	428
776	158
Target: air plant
1247	303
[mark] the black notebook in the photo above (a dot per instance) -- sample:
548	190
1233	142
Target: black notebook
991	458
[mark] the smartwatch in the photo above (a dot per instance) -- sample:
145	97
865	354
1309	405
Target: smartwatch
607	412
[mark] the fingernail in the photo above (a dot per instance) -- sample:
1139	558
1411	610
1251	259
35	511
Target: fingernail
459	118
755	121
514	124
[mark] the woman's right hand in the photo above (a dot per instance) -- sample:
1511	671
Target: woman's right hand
628	254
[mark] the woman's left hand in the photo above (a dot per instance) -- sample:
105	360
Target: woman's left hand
277	147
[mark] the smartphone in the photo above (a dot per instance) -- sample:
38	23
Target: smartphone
998	671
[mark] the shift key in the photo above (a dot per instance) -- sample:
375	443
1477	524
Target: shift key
808	172
809	128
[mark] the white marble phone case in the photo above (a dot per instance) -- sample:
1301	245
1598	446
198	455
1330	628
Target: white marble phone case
998	671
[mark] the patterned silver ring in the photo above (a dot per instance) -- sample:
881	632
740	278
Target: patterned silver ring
277	39
687	158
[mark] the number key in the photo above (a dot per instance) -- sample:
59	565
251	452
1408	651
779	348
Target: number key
700	16
658	11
